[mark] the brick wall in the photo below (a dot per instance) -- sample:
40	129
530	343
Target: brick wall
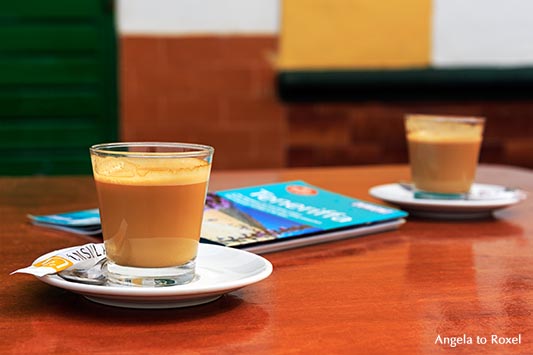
370	133
217	90
220	90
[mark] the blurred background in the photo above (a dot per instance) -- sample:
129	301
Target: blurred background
268	83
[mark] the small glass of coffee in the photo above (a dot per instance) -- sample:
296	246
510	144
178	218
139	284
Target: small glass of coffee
151	198
443	154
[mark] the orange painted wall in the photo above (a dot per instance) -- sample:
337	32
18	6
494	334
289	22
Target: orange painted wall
355	34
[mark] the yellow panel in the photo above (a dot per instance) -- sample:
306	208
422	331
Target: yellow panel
355	34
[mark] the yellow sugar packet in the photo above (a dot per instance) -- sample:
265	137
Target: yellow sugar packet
83	256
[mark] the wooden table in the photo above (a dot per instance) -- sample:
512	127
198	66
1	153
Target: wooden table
394	292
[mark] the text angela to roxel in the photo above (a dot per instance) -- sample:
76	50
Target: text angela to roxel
492	339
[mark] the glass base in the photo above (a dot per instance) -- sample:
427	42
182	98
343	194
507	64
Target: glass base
150	277
438	196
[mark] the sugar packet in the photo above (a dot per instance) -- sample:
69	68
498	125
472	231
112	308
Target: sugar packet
83	256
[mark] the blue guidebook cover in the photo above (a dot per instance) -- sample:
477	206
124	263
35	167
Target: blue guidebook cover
81	222
290	214
268	218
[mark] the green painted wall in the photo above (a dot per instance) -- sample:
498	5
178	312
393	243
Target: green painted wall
58	84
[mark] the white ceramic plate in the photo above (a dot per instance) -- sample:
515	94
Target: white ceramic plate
484	199
219	270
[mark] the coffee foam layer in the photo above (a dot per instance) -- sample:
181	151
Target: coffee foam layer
452	137
150	171
443	131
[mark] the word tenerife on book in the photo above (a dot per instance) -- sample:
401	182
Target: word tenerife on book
310	205
264	195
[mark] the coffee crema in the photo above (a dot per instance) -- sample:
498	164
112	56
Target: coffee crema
167	232
443	152
443	165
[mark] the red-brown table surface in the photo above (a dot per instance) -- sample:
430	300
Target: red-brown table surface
393	292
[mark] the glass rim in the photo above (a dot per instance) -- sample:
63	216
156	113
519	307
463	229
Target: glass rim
445	118
196	150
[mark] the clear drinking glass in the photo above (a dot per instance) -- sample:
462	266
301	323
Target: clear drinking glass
151	198
443	153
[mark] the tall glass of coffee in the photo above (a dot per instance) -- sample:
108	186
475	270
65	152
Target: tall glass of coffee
151	198
443	153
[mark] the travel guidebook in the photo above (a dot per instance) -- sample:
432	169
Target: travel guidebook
267	218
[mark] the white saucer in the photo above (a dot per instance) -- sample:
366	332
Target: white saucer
219	270
484	199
